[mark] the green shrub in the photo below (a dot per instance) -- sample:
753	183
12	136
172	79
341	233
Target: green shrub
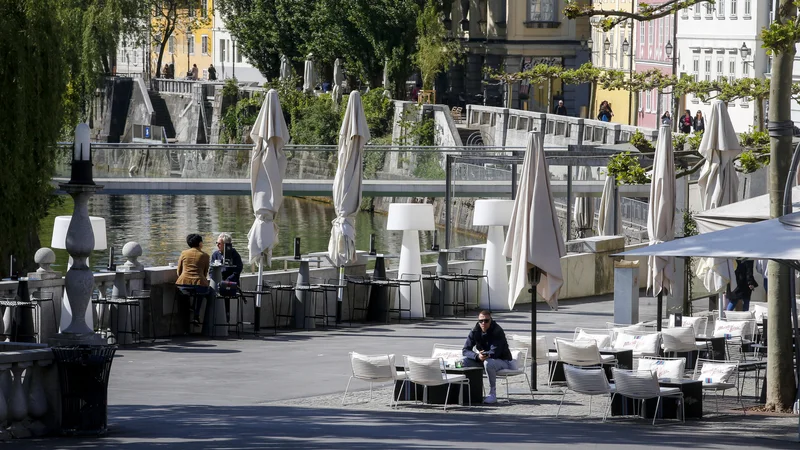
643	145
626	169
678	141
694	140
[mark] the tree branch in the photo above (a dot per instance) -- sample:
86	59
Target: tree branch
615	17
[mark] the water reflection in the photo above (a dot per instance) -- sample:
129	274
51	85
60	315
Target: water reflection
160	224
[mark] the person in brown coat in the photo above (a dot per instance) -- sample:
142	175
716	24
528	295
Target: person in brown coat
193	266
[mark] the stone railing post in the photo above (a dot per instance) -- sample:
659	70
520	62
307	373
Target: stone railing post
123	285
132	251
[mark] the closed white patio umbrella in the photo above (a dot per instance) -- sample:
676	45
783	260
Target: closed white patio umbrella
309	75
583	214
534	241
609	201
286	69
661	218
353	136
718	187
267	169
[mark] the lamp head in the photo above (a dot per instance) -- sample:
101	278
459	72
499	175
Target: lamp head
668	48
607	45
626	46
744	51
81	156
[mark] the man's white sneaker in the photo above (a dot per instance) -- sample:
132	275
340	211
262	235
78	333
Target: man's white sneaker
490	399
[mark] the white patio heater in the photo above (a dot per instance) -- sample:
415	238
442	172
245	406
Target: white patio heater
410	218
494	214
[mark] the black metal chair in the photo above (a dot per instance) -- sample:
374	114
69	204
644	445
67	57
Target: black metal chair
284	293
405	280
455	278
327	287
266	297
37	298
479	276
364	281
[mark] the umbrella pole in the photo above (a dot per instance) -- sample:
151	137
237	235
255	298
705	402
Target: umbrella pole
340	296
257	306
659	310
534	275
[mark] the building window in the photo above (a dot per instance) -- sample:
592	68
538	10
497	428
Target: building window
190	44
732	69
642	29
171	45
203	8
222	50
641	101
648	98
747	8
542	10
733	8
204	44
709	9
696	68
697	11
721	9
720	65
650	39
708	68
238	54
745	69
191	12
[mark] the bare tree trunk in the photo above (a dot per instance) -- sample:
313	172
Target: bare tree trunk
780	377
759	125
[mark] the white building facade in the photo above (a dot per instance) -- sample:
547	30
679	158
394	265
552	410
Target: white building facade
711	40
228	61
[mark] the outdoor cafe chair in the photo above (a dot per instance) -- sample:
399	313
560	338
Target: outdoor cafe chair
643	343
430	372
543	355
747	362
357	281
663	367
405	280
740	315
601	335
698	324
643	385
591	381
716	376
520	358
580	354
679	340
373	369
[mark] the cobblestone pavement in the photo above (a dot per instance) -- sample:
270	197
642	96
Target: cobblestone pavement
285	391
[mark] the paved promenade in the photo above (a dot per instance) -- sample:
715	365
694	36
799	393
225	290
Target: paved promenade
284	392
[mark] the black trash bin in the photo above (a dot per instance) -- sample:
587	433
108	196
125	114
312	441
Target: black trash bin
83	374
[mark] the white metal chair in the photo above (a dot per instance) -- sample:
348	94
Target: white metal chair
644	386
581	354
429	372
716	376
662	367
602	336
543	354
373	369
679	340
744	329
700	324
449	353
643	343
740	315
520	356
589	381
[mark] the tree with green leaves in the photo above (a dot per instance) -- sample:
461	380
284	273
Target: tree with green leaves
363	33
780	39
435	52
33	63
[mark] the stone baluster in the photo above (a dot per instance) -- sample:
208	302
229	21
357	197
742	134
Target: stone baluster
37	400
44	257
18	402
5	392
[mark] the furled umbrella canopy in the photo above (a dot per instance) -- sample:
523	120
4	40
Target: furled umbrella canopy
338	73
267	169
534	235
583	214
661	213
353	136
609	200
309	75
286	69
718	186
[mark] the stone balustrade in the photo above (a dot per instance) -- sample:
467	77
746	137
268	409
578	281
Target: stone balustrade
30	399
510	127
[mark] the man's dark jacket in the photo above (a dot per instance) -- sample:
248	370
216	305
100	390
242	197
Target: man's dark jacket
230	273
493	342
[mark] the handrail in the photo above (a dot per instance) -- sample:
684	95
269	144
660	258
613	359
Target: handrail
292	147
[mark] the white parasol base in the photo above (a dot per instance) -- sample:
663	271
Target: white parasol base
496	285
410	263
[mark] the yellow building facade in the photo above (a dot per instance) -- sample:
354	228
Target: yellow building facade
614	50
191	43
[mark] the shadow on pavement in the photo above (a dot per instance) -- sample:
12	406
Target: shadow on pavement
272	426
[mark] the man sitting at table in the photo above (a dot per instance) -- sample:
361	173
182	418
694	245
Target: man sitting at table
231	271
487	346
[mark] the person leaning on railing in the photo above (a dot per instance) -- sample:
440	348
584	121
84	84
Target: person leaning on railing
193	266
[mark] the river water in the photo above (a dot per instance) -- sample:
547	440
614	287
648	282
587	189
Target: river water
160	223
